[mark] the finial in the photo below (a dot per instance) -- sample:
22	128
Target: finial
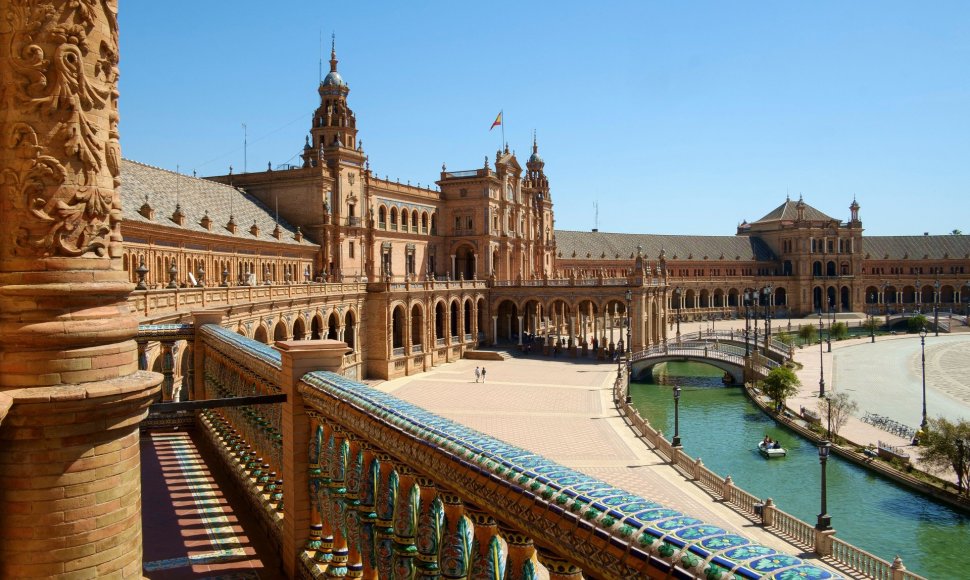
333	52
535	145
443	167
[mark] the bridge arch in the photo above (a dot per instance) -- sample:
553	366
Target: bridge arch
644	368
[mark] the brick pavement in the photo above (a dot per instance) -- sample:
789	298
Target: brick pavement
562	409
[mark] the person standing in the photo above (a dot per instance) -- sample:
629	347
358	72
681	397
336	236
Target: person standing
483	374
478	374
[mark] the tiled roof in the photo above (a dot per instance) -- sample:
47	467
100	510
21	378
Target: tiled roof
196	198
683	247
915	247
788	211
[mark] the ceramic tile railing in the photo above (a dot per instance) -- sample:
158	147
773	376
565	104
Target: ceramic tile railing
397	491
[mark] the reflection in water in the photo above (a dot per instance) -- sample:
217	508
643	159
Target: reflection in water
721	426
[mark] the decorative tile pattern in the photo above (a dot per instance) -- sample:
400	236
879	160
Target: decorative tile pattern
593	500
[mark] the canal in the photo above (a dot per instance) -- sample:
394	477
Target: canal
722	427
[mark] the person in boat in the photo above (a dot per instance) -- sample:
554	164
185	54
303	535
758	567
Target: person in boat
766	442
776	445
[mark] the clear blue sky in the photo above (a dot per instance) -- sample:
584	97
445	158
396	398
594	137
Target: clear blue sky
678	117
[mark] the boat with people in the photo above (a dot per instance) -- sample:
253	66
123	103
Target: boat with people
771	449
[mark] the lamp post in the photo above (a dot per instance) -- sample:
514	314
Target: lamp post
821	365
629	350
676	440
747	327
885	302
919	295
677	298
766	301
922	348
824	519
936	308
828	339
872	320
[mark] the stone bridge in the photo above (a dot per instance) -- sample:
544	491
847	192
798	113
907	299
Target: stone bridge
947	321
726	355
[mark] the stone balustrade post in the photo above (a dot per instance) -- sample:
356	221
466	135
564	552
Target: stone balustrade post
897	568
726	486
199	319
768	513
300	357
490	558
823	542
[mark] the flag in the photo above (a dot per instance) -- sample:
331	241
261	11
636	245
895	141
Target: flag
498	121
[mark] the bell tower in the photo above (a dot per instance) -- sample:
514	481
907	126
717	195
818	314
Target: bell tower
536	184
334	124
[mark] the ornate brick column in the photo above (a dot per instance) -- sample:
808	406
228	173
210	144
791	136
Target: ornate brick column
70	487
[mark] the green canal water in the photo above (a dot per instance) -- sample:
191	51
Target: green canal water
722	427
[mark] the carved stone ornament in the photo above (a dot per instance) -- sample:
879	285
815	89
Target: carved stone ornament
59	128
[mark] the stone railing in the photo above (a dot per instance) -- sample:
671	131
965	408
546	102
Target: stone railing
868	564
395	489
249	438
823	543
152	304
375	486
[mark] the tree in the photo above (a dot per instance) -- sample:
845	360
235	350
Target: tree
956	233
781	383
786	338
870	324
839	330
915	323
836	410
946	445
807	333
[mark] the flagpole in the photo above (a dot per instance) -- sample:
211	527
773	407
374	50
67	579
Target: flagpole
502	147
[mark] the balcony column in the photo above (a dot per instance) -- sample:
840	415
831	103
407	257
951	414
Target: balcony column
70	484
167	354
490	559
314	546
454	274
494	329
459	535
386	499
335	493
406	511
188	375
351	504
299	357
520	330
521	563
431	521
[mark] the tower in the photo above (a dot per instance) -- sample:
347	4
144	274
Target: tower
536	184
334	148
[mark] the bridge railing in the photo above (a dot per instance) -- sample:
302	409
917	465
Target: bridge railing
798	532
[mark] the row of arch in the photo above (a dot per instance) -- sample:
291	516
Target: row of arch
719	298
909	294
210	268
404	220
458	318
334	327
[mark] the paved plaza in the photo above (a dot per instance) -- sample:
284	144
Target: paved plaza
562	409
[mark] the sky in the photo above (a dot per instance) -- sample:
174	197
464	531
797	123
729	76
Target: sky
670	117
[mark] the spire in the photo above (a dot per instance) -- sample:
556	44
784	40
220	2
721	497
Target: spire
333	52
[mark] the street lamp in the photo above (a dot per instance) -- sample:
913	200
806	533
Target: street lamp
872	320
936	308
922	347
747	327
821	365
676	440
629	351
824	519
828	338
885	302
766	292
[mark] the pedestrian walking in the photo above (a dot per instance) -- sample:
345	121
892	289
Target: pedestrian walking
478	374
483	374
